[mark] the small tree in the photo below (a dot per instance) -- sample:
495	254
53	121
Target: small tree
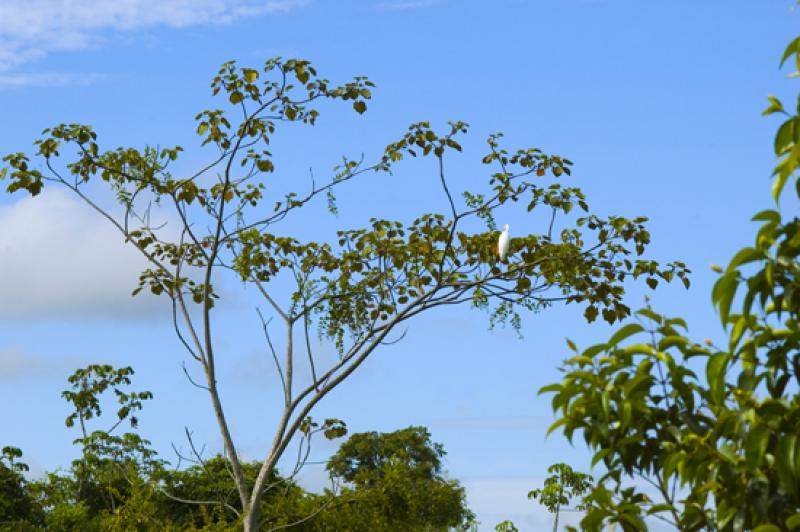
109	462
364	284
113	467
561	487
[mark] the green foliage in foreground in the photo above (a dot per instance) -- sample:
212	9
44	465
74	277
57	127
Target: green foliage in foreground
714	430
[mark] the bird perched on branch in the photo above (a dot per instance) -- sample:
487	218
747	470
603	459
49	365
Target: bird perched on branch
502	244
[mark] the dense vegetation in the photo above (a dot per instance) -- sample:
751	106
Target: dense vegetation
713	431
379	482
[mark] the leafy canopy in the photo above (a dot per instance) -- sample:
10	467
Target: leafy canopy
720	447
355	288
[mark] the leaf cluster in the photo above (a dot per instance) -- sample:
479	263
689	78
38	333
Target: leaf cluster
720	448
560	487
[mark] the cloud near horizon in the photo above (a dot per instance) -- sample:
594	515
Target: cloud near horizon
20	364
33	29
60	261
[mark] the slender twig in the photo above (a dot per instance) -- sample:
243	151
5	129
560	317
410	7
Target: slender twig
264	326
191	380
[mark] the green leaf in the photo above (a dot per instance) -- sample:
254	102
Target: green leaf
723	293
786	454
647	313
775	106
725	513
250	75
580	360
571	345
639	349
784	138
605	402
625	332
594	350
671	341
745	256
236	97
669	464
554	426
658	508
678	322
549	389
715	374
265	165
793	521
793	48
766	528
755	446
736	334
782	172
625	418
769	270
599	455
302	74
769	215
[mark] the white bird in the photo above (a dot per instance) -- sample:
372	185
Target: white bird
502	243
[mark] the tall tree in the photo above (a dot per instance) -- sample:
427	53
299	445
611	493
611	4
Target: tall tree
358	289
363	458
394	482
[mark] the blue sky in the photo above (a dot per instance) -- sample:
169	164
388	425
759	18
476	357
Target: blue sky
657	103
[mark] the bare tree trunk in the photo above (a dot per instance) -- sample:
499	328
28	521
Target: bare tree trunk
555	522
230	449
251	519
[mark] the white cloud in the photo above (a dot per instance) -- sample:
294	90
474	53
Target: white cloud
398	5
59	259
31	29
47	79
16	364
